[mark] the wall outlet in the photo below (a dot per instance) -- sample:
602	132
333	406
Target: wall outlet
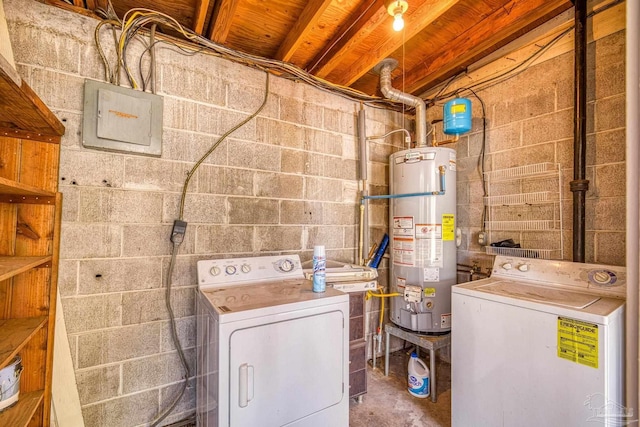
482	238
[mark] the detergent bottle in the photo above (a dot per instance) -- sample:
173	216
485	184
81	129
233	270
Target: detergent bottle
418	377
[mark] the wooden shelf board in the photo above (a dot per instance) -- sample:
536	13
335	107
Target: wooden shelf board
13	265
14	334
20	414
13	188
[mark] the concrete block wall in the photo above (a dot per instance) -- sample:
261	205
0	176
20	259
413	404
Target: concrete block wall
530	120
283	183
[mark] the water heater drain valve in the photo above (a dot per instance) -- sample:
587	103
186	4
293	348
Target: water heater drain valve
412	293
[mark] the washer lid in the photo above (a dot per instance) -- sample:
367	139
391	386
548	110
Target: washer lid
560	297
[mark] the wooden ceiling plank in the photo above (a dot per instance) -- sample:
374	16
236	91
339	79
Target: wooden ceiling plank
91	4
79	3
364	21
73	8
305	24
202	6
415	21
222	20
503	25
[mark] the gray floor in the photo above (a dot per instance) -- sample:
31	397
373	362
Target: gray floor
389	404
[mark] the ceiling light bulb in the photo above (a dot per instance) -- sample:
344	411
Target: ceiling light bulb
398	22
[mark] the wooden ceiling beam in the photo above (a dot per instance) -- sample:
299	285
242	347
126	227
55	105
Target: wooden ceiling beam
415	21
500	27
363	22
303	26
222	20
200	17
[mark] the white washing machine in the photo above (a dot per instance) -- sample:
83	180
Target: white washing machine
539	343
270	351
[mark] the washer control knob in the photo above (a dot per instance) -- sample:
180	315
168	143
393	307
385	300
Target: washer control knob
523	267
286	265
245	268
230	270
507	266
215	270
602	277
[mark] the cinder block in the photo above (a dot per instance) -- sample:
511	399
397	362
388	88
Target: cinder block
230	119
185	81
154	371
185	406
551	127
134	409
247	98
340	213
538	153
610	248
79	241
350	149
526	101
291	110
98	276
335	167
118	206
253	211
606	147
610	180
215	180
93	168
152	240
323	189
190	147
350	192
54	50
186	328
610	113
281	133
57	90
224	239
378	173
142	173
378	215
609	214
72	122
249	155
278	185
182	114
504	137
118	344
278	238
184	270
295	212
198	208
292	161
71	202
67	278
98	384
329	236
609	69
87	313
323	142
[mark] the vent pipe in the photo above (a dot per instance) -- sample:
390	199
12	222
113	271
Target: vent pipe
580	184
384	68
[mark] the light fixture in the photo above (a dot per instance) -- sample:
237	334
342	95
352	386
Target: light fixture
397	8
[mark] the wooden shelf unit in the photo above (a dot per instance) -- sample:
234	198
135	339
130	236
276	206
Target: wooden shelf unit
30	211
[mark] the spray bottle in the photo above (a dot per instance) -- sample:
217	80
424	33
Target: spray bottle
319	265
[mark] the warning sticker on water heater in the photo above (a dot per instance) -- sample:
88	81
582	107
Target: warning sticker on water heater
578	341
403	250
403	226
448	227
428	231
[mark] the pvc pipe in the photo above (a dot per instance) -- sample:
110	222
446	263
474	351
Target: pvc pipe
632	200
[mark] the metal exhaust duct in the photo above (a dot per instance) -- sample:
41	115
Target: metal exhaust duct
384	68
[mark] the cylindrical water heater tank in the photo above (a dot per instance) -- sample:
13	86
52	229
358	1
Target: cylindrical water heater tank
457	116
423	237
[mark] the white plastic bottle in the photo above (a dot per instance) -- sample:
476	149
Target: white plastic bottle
418	377
319	266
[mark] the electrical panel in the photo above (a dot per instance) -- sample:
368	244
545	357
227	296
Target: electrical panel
121	119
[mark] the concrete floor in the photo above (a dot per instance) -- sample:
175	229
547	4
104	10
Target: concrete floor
389	404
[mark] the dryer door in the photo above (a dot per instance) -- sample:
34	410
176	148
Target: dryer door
284	371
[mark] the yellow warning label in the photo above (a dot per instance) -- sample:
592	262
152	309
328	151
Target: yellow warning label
578	341
429	292
458	108
448	227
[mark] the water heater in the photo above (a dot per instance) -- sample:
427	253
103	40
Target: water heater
422	216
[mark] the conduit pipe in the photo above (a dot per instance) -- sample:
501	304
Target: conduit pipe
580	185
364	207
384	68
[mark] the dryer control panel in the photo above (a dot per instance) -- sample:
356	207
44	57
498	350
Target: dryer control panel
601	279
